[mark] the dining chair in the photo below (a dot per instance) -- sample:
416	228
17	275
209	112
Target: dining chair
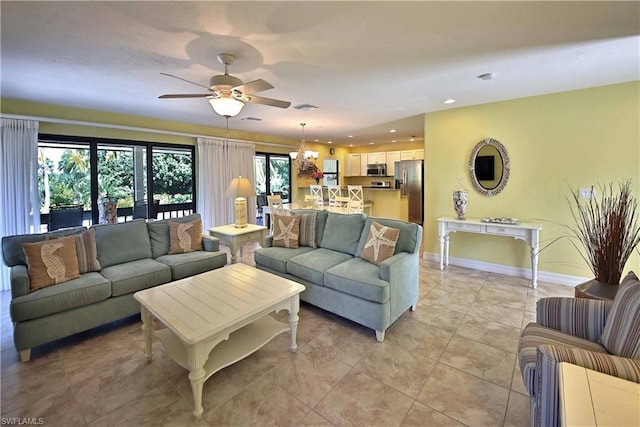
356	199
276	207
310	201
334	191
316	191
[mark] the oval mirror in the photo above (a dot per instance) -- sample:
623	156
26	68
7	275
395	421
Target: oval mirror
489	167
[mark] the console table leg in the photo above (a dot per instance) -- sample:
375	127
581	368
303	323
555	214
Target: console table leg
441	240
446	249
534	267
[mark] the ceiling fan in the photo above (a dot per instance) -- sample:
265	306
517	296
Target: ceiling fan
227	94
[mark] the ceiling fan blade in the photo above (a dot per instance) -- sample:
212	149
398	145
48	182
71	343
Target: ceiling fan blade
185	95
266	101
184	80
254	86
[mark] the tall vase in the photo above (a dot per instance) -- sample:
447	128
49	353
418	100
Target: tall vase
107	210
460	199
317	181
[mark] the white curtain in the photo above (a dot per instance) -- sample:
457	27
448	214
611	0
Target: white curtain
19	201
219	161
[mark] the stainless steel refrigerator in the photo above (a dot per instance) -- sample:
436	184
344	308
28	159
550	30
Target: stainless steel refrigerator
409	179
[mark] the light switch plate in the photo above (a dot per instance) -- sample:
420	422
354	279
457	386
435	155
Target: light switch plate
587	193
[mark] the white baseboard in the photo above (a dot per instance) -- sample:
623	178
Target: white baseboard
543	276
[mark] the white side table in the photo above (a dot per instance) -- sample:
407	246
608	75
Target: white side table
235	238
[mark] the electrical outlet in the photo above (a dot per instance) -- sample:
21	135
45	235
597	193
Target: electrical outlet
587	193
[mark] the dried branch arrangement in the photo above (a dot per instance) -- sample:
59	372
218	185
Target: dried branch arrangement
608	229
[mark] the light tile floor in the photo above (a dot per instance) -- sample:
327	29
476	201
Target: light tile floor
451	362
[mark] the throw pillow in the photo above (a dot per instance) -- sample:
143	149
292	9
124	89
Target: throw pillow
185	236
621	333
381	243
51	261
286	230
307	235
86	250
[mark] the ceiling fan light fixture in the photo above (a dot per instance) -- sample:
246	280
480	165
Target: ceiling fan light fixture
226	107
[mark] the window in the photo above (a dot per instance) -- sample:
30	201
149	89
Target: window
273	174
77	170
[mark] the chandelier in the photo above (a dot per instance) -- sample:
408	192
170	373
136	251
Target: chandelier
303	155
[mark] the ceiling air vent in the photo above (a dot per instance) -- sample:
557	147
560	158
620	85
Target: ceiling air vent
305	107
255	119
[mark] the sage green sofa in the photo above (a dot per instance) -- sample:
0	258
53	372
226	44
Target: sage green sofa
132	255
339	281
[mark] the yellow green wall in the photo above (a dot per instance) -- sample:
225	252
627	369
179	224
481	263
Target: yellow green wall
571	139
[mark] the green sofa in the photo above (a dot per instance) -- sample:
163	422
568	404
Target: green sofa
339	281
133	256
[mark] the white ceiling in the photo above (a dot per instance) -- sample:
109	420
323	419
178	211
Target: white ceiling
367	66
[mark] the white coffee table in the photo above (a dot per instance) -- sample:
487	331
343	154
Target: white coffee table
216	318
235	238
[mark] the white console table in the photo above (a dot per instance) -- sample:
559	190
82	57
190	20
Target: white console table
530	233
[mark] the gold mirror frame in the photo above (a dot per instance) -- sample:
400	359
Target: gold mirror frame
506	166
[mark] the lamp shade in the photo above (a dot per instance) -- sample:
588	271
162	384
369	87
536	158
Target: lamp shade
240	187
226	106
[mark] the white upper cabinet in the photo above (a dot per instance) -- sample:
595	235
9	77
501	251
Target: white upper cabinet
352	165
376	158
412	155
363	164
392	158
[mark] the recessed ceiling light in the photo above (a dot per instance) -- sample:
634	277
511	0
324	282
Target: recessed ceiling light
412	139
393	131
486	76
449	101
393	140
371	143
316	140
329	142
350	145
349	136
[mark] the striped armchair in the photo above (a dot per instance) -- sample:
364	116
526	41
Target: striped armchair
600	335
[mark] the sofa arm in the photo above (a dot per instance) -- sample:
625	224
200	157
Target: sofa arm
210	243
401	271
268	241
580	317
19	281
547	394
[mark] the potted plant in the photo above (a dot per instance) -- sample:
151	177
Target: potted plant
317	175
108	203
608	229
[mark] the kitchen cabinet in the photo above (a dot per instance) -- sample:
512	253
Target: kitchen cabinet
352	165
392	158
363	164
412	155
376	158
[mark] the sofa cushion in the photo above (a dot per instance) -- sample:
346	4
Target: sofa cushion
535	335
358	278
321	220
621	333
311	266
87	289
12	251
159	234
51	262
185	236
307	236
87	251
275	258
122	242
286	230
189	264
342	232
409	239
380	244
136	275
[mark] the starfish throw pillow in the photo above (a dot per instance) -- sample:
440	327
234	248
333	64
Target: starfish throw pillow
286	231
381	243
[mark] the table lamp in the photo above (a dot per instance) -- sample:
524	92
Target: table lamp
240	188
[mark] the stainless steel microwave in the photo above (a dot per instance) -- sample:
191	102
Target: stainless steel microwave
376	169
